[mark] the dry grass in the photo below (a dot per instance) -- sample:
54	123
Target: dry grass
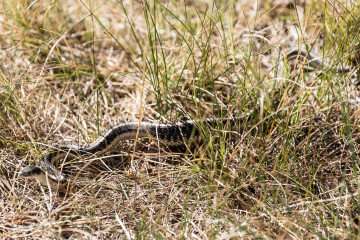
71	69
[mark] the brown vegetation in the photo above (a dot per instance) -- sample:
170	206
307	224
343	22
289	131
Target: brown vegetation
70	69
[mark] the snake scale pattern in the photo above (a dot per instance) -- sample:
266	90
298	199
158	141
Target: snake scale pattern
169	134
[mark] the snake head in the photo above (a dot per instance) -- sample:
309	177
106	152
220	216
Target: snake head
31	172
34	172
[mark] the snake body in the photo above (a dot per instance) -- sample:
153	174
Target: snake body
314	62
171	134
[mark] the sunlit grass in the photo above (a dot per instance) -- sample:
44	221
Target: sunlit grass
68	71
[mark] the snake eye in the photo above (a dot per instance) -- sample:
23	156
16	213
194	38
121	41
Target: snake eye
31	171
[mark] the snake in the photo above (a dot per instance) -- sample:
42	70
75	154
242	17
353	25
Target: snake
175	134
172	134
